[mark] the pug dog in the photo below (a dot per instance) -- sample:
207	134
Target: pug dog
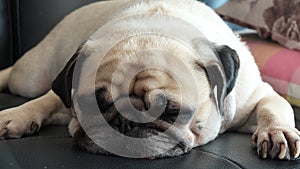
203	87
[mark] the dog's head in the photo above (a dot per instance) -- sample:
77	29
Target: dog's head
181	94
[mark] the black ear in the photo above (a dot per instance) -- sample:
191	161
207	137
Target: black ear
223	83
231	64
62	85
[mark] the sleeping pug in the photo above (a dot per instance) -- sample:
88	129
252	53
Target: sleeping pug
201	84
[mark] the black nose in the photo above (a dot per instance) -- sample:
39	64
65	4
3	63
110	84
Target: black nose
127	127
122	125
160	108
135	108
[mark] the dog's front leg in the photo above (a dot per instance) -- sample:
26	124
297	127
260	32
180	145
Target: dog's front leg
276	135
4	77
28	118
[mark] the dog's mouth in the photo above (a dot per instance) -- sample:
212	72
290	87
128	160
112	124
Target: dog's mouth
160	147
161	138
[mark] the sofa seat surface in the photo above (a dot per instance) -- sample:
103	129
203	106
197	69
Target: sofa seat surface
52	147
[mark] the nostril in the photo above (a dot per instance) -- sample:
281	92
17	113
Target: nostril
137	103
155	98
182	115
171	118
170	115
121	124
160	100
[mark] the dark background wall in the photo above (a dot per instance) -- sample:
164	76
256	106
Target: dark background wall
5	40
23	23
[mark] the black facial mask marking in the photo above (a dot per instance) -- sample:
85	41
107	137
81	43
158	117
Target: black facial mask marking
62	85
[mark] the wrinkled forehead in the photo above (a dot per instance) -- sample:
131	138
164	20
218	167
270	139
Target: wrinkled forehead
172	60
170	27
205	51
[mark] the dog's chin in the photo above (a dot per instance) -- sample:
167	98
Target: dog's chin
157	147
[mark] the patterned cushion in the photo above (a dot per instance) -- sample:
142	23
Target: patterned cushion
277	19
279	66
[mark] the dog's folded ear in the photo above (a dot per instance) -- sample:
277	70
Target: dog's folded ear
62	85
231	64
223	74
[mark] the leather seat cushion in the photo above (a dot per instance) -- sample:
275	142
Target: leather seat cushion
52	147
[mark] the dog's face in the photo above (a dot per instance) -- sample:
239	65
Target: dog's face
150	88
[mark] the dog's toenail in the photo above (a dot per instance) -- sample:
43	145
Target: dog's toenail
34	127
6	123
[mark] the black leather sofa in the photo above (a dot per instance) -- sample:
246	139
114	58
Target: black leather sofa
23	23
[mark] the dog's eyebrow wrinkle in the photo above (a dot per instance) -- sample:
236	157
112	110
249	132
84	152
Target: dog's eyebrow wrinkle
198	121
198	65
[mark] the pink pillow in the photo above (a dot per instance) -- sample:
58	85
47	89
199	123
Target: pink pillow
279	66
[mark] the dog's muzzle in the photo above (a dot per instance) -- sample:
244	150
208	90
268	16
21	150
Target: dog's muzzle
160	142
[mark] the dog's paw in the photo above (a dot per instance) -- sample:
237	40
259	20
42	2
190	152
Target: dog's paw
15	124
277	142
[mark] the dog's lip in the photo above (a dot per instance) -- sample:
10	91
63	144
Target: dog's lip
184	144
163	125
174	131
158	125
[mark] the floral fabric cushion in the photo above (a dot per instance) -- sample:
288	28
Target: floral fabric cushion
278	19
